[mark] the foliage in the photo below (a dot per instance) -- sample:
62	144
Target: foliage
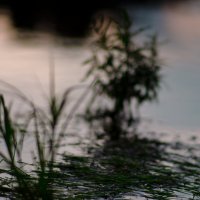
137	167
134	167
46	130
126	74
123	170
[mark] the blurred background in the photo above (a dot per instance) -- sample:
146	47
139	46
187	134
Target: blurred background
35	33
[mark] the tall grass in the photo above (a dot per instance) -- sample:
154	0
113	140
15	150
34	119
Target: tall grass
47	130
140	166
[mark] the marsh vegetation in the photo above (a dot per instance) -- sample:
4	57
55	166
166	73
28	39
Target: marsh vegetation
126	75
123	75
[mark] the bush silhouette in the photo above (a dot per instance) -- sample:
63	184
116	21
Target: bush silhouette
126	75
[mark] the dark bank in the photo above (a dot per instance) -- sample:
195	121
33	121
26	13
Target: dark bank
67	18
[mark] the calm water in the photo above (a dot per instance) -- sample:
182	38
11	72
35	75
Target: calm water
178	27
25	63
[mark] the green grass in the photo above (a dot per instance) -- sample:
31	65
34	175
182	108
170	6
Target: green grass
140	167
134	167
46	130
129	166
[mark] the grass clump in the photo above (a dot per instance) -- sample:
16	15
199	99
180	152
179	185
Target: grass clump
121	169
46	130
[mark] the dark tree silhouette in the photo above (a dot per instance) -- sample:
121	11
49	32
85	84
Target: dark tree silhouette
126	75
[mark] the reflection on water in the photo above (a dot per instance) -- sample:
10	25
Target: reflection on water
24	63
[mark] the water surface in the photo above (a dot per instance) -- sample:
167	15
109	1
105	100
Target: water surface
25	59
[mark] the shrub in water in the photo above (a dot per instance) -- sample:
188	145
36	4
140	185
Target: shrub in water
126	75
